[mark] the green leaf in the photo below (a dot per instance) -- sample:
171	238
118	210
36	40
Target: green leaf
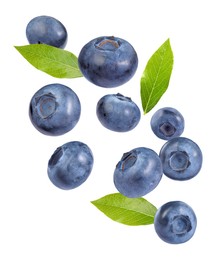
128	211
156	76
56	62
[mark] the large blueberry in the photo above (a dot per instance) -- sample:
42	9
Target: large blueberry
54	109
117	112
47	30
167	123
175	222
108	61
138	172
70	165
181	158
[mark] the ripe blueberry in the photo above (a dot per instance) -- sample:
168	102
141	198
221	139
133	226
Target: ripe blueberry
70	165
117	112
181	158
175	222
54	109
167	123
47	30
108	61
138	172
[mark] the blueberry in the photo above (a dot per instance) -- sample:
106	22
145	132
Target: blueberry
175	222
117	112
108	61
70	165
47	30
181	158
138	172
54	109
167	123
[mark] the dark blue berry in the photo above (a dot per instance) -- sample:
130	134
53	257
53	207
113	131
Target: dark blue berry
138	172
117	112
47	30
54	109
167	123
70	165
175	222
181	158
108	61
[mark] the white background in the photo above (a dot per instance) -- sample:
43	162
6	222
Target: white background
39	221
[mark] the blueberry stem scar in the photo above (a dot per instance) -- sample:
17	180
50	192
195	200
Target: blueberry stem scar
114	43
128	160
